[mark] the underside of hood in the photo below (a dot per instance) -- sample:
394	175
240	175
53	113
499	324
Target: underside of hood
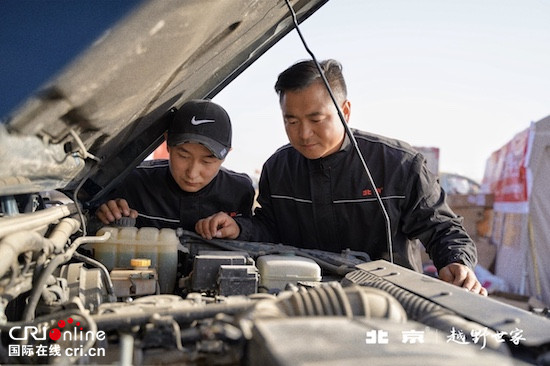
108	110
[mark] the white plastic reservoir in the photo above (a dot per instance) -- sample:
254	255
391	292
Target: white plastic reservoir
278	270
126	243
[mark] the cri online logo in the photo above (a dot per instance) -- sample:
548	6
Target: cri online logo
27	332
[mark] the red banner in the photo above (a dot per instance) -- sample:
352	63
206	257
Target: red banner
506	170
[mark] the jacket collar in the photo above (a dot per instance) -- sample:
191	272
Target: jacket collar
327	161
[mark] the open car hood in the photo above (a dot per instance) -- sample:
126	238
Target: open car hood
108	110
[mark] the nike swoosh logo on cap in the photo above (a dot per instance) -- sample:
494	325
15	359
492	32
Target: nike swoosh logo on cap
196	122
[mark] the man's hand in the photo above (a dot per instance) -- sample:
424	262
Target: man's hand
113	210
460	275
219	225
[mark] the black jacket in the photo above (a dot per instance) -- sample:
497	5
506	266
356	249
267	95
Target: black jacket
329	204
152	191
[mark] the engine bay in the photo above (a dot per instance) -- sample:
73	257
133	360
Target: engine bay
148	296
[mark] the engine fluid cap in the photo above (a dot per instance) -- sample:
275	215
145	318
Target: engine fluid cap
125	221
140	262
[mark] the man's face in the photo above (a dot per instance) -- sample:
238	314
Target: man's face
193	166
311	121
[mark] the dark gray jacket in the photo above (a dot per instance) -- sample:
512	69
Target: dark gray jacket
329	204
152	191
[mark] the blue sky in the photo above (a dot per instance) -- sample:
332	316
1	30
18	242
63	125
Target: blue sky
464	76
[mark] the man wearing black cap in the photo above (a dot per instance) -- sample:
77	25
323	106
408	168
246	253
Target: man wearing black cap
192	184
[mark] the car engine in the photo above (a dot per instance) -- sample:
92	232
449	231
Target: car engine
130	296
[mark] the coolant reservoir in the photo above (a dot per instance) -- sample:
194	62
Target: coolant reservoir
125	243
278	270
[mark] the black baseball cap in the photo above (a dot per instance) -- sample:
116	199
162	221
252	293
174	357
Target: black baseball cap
204	122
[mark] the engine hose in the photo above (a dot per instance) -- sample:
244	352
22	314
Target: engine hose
62	232
415	306
34	220
181	312
330	299
17	243
105	272
28	313
14	244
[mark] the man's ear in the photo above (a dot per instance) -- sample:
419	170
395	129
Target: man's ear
346	109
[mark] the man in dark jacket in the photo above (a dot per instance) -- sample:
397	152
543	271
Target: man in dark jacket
315	193
192	184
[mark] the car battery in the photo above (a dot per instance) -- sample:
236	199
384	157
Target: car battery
237	280
206	267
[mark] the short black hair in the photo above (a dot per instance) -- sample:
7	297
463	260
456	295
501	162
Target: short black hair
304	73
